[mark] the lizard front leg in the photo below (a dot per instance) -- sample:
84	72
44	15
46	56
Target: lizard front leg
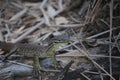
54	59
52	54
36	67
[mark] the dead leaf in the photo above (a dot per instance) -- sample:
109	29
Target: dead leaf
61	20
51	11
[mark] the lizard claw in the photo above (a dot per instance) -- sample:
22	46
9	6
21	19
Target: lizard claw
36	71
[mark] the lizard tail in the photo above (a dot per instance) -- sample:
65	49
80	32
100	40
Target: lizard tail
6	46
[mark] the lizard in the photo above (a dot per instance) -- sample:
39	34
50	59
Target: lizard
33	51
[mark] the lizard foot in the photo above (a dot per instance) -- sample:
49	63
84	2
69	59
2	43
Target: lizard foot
36	67
37	72
55	64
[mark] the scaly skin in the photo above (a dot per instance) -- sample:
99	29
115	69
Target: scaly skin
35	52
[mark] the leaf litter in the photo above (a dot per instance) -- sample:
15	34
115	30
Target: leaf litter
91	26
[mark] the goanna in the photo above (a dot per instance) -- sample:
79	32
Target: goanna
33	51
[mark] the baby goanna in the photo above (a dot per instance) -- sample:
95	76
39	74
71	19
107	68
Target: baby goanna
33	51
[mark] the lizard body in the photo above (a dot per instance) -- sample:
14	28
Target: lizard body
28	50
33	51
